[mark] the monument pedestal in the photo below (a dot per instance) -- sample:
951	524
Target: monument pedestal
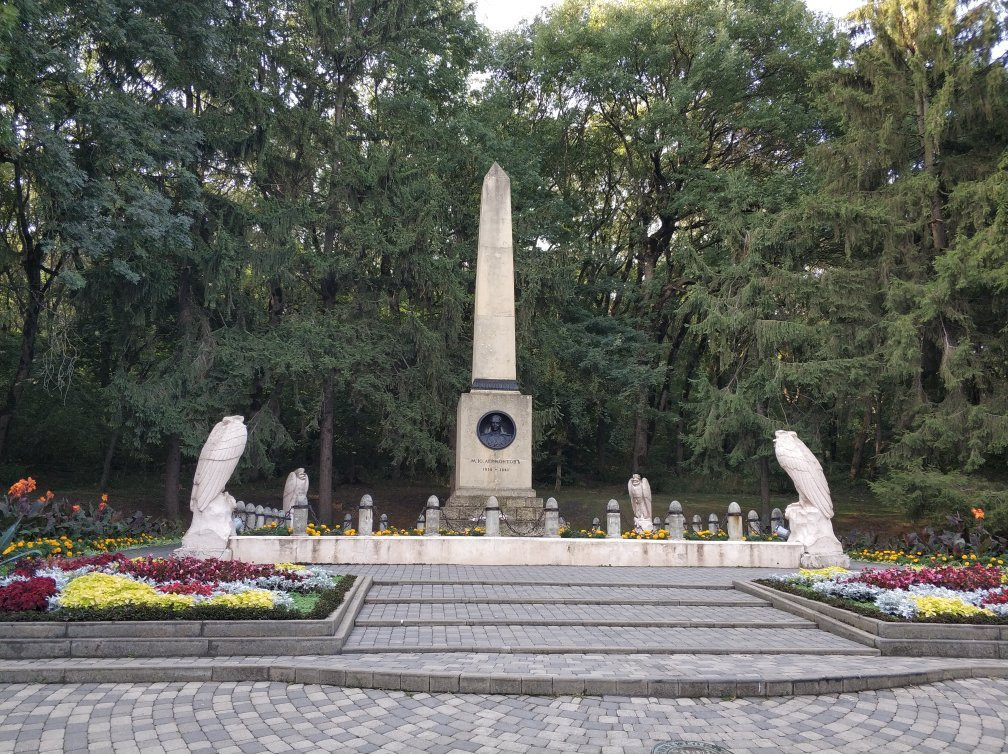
493	456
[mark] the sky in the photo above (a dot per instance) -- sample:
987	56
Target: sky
506	14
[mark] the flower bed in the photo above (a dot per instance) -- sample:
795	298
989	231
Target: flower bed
916	557
65	546
949	594
113	587
593	533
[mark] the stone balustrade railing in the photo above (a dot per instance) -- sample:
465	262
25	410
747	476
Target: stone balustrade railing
256	516
732	523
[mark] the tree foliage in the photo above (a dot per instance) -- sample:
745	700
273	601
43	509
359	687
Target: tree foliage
729	218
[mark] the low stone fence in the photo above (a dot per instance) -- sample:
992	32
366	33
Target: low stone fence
485	550
251	516
730	525
726	547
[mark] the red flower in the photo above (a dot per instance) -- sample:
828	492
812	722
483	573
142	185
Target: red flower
75	509
32	594
965	579
21	488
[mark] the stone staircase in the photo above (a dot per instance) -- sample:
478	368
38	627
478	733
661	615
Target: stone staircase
535	617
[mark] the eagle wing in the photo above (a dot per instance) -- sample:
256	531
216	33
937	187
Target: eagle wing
645	490
634	492
217	461
290	491
806	473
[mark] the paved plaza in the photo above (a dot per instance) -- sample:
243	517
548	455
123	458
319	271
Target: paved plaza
960	716
458	658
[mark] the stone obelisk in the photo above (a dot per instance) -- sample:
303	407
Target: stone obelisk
493	447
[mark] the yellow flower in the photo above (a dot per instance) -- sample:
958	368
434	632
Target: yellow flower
252	598
98	589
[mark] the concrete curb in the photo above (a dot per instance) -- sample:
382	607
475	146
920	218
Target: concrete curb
891	638
607	649
493	683
346	615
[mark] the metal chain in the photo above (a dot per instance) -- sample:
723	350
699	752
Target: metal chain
536	525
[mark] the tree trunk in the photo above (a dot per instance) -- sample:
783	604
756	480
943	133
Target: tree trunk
107	464
859	443
601	443
764	472
173	470
326	453
31	261
558	462
640	444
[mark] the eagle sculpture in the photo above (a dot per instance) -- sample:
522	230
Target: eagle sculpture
218	460
212	507
640	501
805	471
295	487
809	518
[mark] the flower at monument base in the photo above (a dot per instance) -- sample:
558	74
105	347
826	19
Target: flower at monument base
978	513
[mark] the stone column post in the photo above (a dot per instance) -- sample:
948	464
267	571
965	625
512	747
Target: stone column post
552	518
754	523
492	514
383	522
365	517
347	522
420	523
734	525
712	523
776	520
432	526
697	523
612	520
299	517
675	521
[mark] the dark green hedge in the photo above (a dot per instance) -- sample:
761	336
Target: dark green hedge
329	600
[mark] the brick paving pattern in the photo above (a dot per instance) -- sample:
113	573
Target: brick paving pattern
956	716
621	614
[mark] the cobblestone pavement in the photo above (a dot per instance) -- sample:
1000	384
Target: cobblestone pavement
622	614
601	638
962	716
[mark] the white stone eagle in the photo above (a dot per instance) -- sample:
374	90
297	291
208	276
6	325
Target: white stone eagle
640	501
295	487
211	505
809	518
217	461
805	471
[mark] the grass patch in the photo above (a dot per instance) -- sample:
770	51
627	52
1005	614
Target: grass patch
305	603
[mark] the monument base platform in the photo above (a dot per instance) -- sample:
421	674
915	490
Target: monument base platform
431	550
521	511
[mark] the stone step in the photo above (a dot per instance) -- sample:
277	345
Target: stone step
727	587
556	639
526	614
545	594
